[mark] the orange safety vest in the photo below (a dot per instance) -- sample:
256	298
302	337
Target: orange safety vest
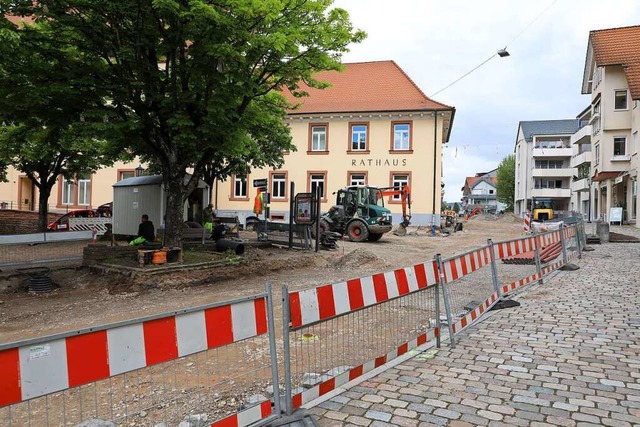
257	203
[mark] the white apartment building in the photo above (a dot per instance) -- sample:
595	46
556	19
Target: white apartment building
581	163
612	77
544	169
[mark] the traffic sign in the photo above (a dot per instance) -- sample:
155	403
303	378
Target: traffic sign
260	182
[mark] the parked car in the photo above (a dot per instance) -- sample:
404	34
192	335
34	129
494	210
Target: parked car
62	223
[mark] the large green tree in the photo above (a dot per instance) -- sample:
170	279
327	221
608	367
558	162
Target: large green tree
507	181
196	82
51	115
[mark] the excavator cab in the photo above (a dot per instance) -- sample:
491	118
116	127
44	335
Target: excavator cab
542	210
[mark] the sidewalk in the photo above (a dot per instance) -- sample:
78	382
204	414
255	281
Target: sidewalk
568	356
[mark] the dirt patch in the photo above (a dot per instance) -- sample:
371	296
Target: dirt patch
85	297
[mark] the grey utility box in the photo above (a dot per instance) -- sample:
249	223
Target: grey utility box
133	197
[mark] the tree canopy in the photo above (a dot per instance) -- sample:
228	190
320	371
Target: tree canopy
194	84
506	175
52	123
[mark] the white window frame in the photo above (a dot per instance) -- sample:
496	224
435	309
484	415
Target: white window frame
399	180
624	146
318	138
626	99
84	192
239	183
318	179
360	180
279	186
401	137
67	191
359	137
596	159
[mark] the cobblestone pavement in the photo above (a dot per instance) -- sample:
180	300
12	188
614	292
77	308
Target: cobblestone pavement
568	356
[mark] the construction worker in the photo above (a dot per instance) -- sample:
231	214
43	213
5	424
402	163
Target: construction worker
258	203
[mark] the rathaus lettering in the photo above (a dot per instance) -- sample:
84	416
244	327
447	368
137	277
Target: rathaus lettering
379	162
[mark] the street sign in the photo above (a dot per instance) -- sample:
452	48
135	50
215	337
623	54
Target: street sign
260	182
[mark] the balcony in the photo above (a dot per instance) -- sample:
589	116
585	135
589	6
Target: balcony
550	192
583	136
580	159
580	185
552	173
553	152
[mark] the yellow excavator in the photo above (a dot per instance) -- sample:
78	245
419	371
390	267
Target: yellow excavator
542	210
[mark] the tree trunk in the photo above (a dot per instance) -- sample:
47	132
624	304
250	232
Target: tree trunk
175	192
43	209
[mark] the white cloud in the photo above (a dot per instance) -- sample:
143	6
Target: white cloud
437	42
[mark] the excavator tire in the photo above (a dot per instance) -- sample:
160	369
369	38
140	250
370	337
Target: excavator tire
374	237
324	226
357	231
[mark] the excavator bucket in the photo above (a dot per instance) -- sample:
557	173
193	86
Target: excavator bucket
401	230
402	227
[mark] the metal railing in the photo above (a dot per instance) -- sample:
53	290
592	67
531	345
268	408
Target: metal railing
219	364
215	362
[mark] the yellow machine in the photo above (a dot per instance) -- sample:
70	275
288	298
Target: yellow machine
542	210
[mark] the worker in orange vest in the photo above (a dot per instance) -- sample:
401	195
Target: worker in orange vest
258	203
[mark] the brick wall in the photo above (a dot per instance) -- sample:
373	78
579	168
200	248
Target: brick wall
20	222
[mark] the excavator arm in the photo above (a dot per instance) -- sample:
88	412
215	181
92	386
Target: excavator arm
405	197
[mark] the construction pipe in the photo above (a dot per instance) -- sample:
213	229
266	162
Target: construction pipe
223	245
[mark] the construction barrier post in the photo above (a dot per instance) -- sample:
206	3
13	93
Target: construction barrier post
286	317
579	240
565	260
438	290
527	222
273	350
536	240
494	269
445	298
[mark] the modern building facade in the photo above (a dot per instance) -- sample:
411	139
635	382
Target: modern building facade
543	154
372	126
581	164
612	78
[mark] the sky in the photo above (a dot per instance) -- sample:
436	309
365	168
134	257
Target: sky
437	42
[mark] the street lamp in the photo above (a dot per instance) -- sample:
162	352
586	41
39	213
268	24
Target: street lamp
139	170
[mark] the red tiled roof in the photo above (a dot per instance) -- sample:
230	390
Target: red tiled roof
17	20
364	87
619	46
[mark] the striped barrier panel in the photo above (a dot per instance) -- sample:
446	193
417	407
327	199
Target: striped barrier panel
527	222
511	248
463	265
324	302
38	367
475	314
550	268
88	224
338	381
520	283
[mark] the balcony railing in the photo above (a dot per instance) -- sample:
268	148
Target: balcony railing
550	192
580	185
583	136
553	152
580	159
553	173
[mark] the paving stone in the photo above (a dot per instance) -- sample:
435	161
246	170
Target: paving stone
377	415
